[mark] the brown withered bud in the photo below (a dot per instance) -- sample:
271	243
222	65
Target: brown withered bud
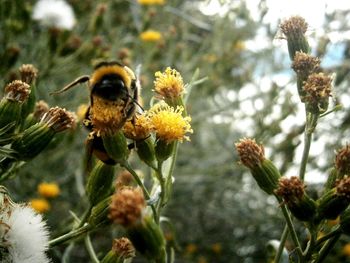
58	119
28	73
41	107
294	27
290	189
343	188
17	90
250	153
123	248
305	64
127	206
124	178
342	160
318	89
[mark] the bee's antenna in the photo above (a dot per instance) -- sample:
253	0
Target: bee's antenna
79	80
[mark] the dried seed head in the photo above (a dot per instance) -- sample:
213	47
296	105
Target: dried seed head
290	189
123	248
127	206
342	160
343	188
318	89
41	107
294	27
17	91
250	153
58	119
305	64
28	73
124	178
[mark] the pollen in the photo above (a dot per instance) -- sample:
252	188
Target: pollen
151	36
48	190
138	129
107	116
168	84
169	124
40	205
81	111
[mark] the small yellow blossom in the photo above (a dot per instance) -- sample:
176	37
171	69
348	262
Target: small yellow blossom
169	124
239	46
40	205
168	84
48	190
191	249
138	129
216	248
346	249
151	2
151	36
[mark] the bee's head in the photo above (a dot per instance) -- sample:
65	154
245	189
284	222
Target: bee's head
111	81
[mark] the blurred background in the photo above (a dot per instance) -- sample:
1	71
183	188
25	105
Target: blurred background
218	211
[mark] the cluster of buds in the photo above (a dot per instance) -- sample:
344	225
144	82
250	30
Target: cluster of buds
30	125
314	87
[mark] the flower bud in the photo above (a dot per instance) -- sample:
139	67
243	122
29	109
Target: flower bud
99	183
304	65
116	146
263	170
292	191
99	213
335	201
148	239
122	249
146	152
345	222
294	29
164	150
41	107
318	89
331	180
34	139
16	93
342	161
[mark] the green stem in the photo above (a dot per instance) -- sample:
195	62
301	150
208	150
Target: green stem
162	189
311	122
73	234
90	249
292	231
327	248
311	244
85	216
127	166
281	245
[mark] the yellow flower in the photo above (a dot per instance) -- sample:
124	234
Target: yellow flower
151	36
107	116
151	2
346	250
48	190
138	129
168	84
191	249
216	248
40	205
169	124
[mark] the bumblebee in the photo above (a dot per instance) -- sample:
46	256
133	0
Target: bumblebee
114	91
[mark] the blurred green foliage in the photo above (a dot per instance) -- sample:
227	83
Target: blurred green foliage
215	203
